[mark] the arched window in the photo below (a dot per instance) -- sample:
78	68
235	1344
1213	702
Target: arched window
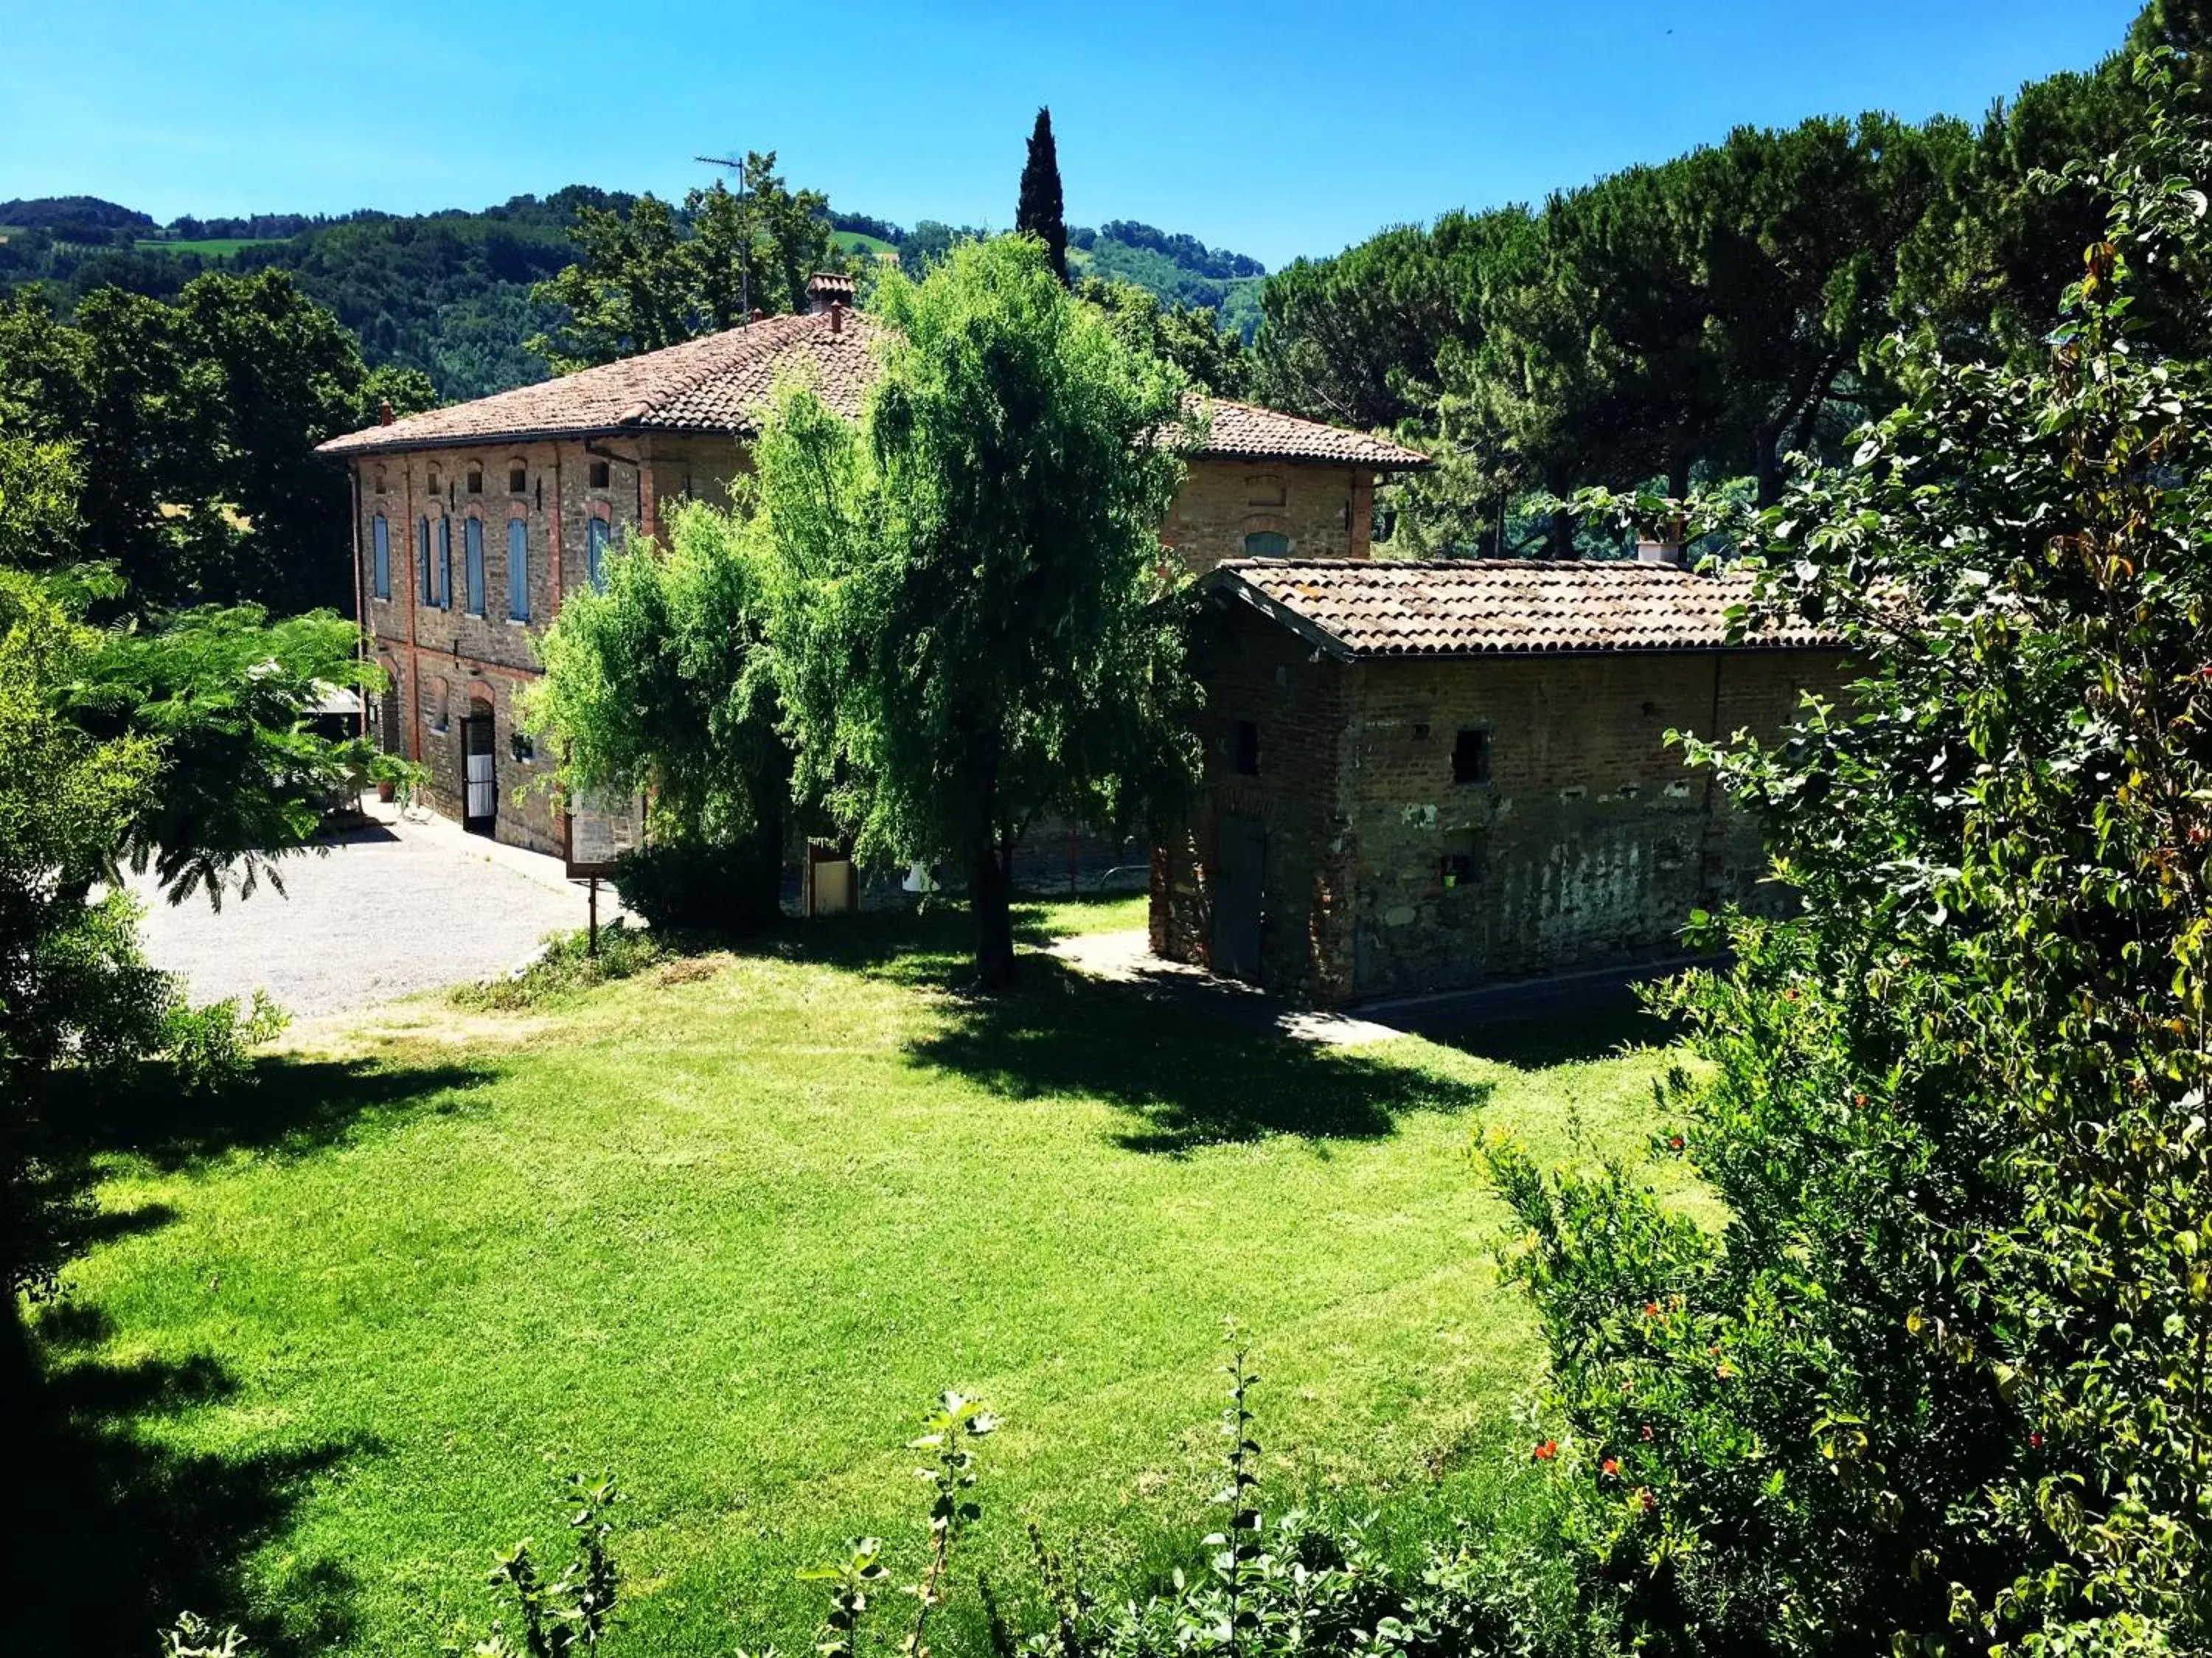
595	552
422	561
472	563
1266	544
380	555
518	478
518	568
445	599
476	480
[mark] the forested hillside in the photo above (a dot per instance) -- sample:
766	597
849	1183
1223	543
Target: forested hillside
449	293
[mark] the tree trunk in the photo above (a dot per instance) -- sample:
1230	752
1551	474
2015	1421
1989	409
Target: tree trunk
1767	464
990	901
1563	532
1795	425
760	903
1678	477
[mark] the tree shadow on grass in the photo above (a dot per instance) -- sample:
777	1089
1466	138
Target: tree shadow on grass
281	1104
128	1532
929	947
1192	1072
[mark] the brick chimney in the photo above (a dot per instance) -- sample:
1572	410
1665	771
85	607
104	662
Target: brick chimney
1658	553
828	290
384	413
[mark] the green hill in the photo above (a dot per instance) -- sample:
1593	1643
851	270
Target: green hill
449	292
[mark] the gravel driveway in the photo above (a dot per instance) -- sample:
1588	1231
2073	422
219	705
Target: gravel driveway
402	906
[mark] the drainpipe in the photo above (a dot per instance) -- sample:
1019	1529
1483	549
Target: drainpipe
553	532
413	667
360	592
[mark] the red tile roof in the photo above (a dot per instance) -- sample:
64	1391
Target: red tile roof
722	383
1499	607
1247	431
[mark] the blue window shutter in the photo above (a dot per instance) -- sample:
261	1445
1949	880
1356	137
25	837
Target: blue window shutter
472	563
422	560
595	552
379	535
445	563
517	570
1266	544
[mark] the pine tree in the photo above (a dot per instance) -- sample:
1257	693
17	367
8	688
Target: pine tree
1040	213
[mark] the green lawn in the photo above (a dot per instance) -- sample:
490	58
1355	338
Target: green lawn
725	1229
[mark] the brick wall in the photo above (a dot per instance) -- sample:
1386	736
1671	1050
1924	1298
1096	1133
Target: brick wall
1325	511
444	659
1257	673
1587	842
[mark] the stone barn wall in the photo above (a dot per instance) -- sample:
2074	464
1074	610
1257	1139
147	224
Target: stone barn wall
1585	841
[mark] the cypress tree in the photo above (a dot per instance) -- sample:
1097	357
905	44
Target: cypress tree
1040	213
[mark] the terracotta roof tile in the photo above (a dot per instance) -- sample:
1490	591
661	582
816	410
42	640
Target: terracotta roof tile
1247	430
719	382
722	382
1499	607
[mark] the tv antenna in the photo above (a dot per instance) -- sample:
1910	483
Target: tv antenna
744	259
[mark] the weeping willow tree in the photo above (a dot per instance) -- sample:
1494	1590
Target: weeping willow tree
971	621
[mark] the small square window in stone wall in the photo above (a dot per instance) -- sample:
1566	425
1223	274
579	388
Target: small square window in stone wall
1245	749
1471	757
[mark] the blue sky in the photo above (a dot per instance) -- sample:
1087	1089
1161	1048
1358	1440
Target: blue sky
1275	129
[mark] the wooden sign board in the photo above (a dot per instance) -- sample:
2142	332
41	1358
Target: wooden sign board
598	830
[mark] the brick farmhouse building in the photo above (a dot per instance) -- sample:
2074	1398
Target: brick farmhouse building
1420	777
473	522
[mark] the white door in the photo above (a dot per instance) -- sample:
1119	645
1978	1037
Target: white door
482	804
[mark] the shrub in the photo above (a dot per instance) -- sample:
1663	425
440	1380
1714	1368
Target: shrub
567	965
1941	1383
703	889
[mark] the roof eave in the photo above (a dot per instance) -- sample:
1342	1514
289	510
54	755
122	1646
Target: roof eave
1515	652
1232	584
344	447
1210	452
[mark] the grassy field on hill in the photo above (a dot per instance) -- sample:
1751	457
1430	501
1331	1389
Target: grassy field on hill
856	241
214	248
724	1229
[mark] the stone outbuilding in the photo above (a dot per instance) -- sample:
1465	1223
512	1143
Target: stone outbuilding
472	523
1425	777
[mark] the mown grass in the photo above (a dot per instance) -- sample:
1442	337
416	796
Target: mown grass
858	242
209	246
723	1228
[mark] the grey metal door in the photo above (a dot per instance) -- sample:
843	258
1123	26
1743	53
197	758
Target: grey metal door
1240	882
480	809
387	721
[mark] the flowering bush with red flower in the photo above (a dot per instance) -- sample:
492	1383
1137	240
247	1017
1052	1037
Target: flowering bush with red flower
1942	1383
